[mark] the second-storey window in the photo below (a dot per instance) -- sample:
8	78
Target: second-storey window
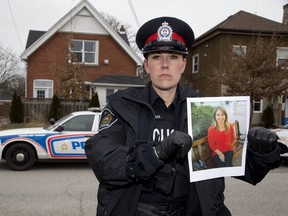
239	50
282	56
85	51
195	63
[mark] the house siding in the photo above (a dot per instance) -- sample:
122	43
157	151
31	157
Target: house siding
53	52
212	53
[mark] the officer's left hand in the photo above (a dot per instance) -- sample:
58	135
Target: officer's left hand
283	148
262	140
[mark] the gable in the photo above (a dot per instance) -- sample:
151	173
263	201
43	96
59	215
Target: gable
84	22
83	18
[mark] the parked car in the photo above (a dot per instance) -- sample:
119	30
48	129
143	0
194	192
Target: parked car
283	138
63	139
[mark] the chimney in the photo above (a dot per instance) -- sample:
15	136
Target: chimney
122	29
285	14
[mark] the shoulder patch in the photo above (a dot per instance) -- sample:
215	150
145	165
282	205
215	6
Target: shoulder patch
107	119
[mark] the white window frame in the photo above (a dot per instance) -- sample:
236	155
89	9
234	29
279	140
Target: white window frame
82	52
195	63
48	89
260	101
282	53
239	48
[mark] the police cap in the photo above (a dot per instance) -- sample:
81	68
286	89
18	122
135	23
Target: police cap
165	34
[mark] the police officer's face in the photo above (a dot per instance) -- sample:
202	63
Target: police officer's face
165	69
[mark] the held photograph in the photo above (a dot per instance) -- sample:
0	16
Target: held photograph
218	127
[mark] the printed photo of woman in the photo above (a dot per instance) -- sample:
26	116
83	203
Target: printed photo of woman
221	136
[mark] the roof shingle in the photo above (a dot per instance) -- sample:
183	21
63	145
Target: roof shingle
246	22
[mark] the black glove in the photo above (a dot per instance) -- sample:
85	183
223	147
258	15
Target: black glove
262	140
177	142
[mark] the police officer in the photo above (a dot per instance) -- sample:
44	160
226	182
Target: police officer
139	155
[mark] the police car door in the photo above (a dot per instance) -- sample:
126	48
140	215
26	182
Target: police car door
73	133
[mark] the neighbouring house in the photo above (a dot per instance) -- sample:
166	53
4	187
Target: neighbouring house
101	50
232	35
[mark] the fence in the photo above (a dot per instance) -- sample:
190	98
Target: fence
37	109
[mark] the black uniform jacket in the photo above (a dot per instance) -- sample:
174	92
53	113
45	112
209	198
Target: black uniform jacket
128	125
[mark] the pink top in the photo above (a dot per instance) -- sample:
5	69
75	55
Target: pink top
221	140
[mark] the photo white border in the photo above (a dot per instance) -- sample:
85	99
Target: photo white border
223	171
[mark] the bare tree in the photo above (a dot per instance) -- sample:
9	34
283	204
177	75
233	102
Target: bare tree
112	21
70	78
117	24
11	77
254	73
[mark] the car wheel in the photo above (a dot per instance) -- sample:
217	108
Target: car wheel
20	156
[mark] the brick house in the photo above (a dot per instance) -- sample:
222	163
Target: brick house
211	48
100	49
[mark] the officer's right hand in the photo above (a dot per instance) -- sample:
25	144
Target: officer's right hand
176	143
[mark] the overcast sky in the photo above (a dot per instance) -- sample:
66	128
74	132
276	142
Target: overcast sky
17	17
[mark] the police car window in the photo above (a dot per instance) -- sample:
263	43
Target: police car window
79	123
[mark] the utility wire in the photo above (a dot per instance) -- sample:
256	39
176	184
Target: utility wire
133	12
15	24
9	53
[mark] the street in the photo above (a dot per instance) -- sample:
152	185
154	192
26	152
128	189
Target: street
267	198
54	188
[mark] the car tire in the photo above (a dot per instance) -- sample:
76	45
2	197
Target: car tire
20	156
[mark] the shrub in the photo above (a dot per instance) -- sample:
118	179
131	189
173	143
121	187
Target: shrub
17	109
201	120
94	102
268	117
55	109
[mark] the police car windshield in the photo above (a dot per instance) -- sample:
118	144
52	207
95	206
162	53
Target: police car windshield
59	122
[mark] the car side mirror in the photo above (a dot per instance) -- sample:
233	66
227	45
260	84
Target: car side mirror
59	128
52	121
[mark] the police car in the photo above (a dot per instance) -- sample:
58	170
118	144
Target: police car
283	138
63	139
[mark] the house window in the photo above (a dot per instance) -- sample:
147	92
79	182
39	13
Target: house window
43	89
239	50
85	51
258	104
40	93
109	92
282	55
195	63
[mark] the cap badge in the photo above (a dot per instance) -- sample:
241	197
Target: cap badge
164	32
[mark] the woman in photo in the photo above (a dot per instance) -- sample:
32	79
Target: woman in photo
221	136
